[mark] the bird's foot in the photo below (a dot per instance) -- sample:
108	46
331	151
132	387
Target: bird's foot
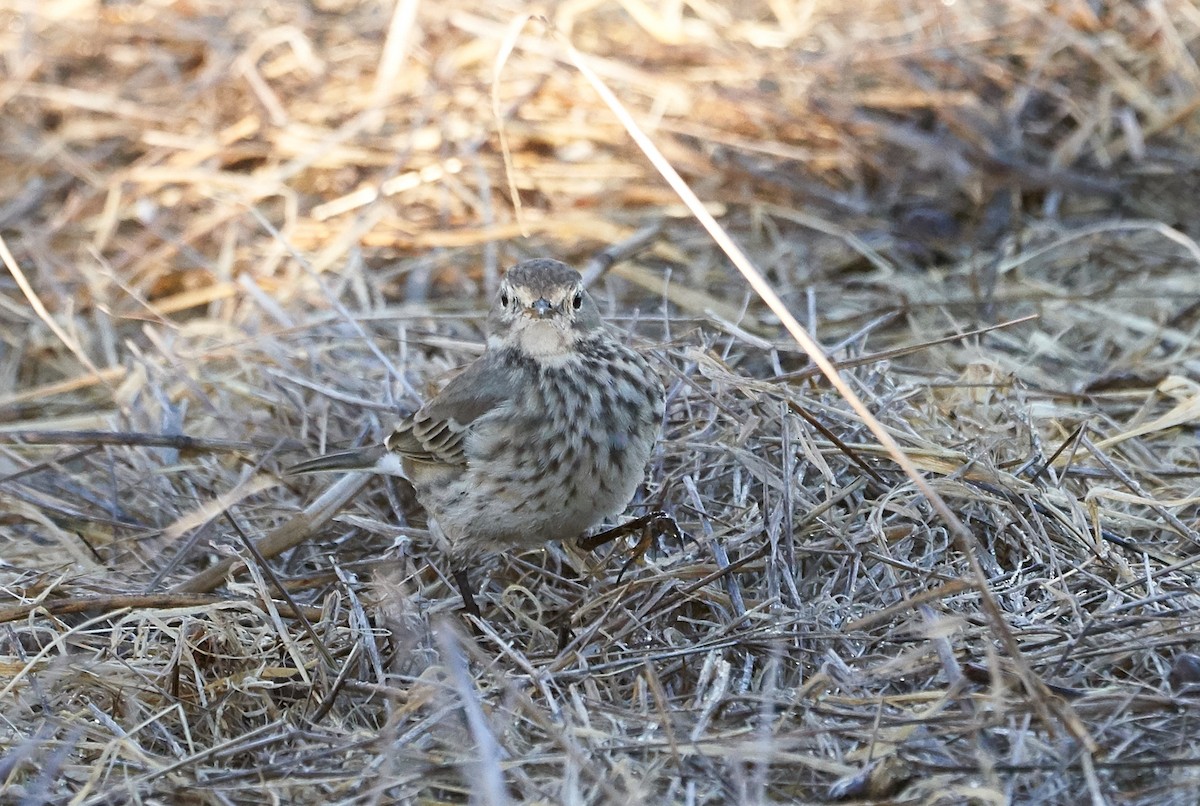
651	525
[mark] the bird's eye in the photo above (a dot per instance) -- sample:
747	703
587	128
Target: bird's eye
504	299
577	303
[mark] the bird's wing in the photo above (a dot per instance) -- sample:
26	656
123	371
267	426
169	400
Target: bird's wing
436	433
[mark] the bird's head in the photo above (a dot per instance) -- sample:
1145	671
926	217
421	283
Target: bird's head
543	310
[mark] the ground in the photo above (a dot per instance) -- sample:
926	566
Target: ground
238	235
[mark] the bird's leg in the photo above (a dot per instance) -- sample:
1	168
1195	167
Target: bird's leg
651	524
463	580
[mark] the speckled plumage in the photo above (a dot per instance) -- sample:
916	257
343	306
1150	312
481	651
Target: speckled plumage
544	436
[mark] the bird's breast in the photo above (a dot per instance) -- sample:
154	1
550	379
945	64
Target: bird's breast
568	451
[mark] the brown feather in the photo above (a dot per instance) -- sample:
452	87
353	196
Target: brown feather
436	432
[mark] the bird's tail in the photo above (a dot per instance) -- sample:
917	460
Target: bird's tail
371	459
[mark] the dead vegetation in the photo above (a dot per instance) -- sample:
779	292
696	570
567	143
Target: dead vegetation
243	234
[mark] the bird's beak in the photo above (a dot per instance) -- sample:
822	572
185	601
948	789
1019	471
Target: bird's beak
542	308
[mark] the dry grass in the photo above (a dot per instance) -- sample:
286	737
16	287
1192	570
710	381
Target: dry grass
241	234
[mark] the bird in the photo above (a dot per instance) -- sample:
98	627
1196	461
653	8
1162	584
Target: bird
547	434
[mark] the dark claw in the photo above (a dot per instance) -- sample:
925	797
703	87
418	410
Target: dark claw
562	625
651	524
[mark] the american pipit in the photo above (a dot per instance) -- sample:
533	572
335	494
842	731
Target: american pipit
544	436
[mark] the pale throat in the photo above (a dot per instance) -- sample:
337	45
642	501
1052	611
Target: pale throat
545	342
